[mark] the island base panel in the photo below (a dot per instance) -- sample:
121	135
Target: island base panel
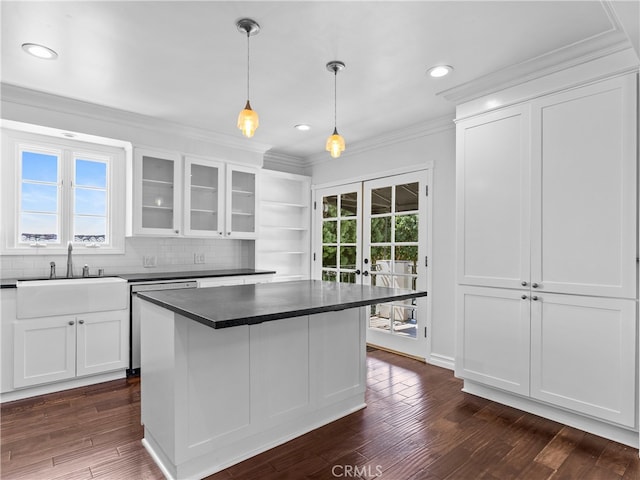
214	397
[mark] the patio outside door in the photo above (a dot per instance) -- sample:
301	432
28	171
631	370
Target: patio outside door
375	233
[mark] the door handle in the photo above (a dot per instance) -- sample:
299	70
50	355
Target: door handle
365	273
357	272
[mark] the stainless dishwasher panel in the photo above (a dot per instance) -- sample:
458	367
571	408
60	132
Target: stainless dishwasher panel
134	347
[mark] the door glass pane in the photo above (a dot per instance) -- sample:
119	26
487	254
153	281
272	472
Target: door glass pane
381	200
379	317
330	206
329	231
348	257
328	276
407	197
348	277
348	231
349	204
404	321
329	256
407	228
243	201
381	230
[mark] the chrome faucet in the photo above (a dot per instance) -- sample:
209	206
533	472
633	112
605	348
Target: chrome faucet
69	261
52	273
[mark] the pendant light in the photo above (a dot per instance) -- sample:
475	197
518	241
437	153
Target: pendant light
248	119
335	143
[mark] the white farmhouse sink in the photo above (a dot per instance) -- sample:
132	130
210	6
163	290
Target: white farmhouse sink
44	298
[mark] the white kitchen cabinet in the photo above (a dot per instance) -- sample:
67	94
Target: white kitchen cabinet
102	342
494	337
493	198
284	241
44	350
583	355
51	349
546	193
241	218
157	192
584	195
203	197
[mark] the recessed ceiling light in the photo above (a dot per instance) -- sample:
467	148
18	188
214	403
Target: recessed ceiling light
303	127
439	71
39	51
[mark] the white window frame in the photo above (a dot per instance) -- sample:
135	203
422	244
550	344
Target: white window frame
68	150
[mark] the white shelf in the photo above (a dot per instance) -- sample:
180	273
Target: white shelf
204	187
273	203
280	227
156	207
248	214
243	192
200	210
150	181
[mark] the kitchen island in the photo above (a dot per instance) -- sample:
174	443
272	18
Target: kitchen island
229	372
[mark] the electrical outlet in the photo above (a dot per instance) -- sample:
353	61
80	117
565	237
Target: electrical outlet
198	258
149	261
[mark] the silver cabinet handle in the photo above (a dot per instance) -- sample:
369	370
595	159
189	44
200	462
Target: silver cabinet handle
534	298
534	285
81	322
524	297
71	322
524	284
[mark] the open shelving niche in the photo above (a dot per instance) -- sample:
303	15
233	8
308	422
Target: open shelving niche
284	243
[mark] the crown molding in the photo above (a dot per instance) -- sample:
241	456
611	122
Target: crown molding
419	130
605	43
281	161
58	104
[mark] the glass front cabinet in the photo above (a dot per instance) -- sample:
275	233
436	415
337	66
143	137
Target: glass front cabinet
157	193
191	196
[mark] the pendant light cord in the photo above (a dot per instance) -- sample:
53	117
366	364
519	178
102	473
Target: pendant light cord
335	98
248	63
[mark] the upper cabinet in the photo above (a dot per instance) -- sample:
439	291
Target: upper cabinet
547	193
203	197
156	193
242	202
191	196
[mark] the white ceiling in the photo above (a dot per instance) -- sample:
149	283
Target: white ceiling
185	62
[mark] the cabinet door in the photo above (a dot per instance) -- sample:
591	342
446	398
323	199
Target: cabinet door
157	193
493	191
102	342
493	337
44	350
203	197
584	190
241	202
583	355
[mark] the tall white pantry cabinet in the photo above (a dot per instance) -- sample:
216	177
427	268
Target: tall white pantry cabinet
547	256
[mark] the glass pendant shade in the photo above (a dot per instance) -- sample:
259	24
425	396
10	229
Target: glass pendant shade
248	121
335	144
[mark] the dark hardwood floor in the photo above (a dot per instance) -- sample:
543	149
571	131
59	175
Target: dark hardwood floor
418	425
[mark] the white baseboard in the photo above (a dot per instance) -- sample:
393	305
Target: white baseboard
443	361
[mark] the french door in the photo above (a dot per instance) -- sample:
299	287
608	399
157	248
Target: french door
375	233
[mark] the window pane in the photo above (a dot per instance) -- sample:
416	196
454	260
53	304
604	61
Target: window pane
380	259
404	321
38	226
409	253
348	233
89	229
329	276
348	204
39	167
38	197
330	206
90	202
407	228
91	174
381	200
407	197
381	230
348	277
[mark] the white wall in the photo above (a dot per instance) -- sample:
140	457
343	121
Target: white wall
436	146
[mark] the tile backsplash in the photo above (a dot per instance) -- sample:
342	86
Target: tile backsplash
171	255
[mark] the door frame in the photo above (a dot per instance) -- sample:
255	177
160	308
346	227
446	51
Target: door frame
316	244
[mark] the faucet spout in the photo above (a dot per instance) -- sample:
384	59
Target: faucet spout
69	261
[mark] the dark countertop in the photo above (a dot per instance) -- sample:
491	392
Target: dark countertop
231	306
151	276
